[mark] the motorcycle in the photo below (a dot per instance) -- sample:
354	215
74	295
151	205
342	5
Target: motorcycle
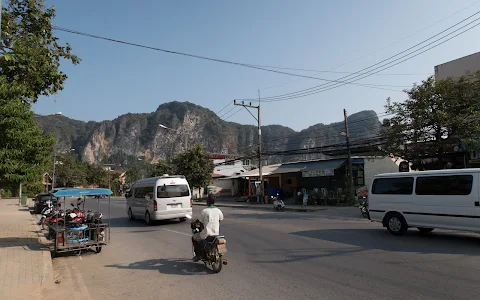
364	206
278	204
215	247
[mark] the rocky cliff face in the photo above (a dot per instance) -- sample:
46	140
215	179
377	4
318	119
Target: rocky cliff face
134	136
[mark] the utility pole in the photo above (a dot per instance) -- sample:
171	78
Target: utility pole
53	175
246	106
1	8
350	171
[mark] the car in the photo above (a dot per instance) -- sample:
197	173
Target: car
444	199
39	202
160	198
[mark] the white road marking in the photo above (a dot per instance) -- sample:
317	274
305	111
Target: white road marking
80	258
177	232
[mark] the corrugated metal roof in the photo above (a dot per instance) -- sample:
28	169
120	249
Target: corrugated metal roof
266	170
290	168
325	165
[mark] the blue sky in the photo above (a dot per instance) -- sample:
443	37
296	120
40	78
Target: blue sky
115	79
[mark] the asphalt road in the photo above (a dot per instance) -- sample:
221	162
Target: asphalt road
332	254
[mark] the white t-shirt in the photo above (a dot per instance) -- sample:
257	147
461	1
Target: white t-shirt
211	217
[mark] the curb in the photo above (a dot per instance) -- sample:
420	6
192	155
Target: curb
261	207
47	257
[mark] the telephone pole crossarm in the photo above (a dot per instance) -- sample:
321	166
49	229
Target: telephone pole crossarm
246	106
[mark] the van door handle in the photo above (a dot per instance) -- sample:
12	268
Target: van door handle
477	203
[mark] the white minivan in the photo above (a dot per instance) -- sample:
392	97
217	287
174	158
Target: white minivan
159	198
448	199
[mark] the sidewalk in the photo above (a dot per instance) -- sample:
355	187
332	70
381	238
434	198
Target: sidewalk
25	263
253	205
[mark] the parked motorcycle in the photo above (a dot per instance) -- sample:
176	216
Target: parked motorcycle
215	248
278	204
364	206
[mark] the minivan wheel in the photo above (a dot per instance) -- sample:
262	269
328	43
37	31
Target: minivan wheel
147	218
396	224
130	214
425	230
183	219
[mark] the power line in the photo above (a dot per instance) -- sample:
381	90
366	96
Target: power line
298	135
301	151
385	47
323	88
374	86
326	86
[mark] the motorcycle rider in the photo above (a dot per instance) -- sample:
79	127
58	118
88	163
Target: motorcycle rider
210	217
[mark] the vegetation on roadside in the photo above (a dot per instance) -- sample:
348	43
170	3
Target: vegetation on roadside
436	115
30	56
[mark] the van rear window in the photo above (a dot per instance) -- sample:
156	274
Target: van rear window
393	186
444	185
171	191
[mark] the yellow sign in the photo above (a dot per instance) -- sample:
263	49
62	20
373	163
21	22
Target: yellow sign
474	161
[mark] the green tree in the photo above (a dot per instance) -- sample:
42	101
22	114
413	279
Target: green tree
195	165
437	114
96	175
30	53
69	171
161	168
24	151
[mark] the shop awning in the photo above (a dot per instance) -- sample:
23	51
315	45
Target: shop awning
290	168
322	168
266	170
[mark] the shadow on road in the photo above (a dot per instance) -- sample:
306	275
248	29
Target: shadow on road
167	266
270	216
412	241
125	222
296	216
26	243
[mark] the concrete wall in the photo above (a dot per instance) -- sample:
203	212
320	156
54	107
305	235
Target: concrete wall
458	67
377	165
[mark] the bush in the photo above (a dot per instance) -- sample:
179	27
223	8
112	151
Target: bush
6	193
32	189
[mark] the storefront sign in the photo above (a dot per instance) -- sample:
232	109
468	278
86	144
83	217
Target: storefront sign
318	173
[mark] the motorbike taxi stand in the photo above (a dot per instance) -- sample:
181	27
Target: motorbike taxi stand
86	236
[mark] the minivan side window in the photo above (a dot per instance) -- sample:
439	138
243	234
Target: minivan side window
393	186
140	192
170	191
444	185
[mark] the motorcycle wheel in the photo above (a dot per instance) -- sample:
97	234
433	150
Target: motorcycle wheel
364	212
283	209
98	249
218	263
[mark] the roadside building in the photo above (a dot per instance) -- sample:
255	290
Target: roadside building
327	177
458	67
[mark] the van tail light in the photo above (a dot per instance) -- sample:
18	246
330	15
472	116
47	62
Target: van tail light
155	206
191	202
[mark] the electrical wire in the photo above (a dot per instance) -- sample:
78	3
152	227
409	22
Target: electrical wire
373	86
376	51
326	86
298	135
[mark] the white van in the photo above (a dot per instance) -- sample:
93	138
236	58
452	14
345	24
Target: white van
159	198
448	199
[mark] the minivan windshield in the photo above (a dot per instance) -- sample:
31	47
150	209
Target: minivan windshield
171	191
